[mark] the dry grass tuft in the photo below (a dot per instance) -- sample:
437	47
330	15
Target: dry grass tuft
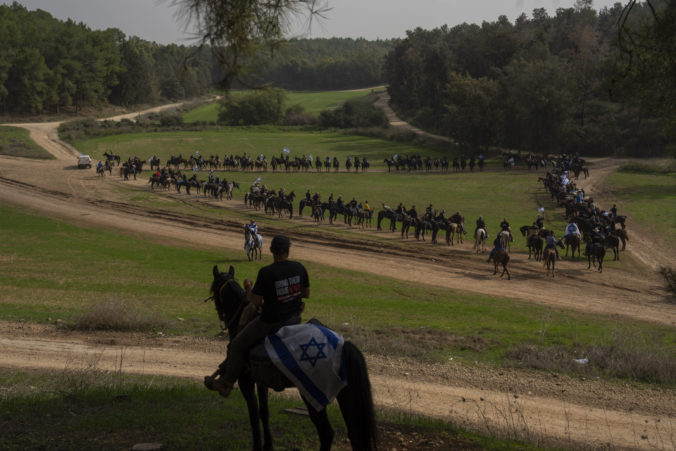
626	356
117	315
421	344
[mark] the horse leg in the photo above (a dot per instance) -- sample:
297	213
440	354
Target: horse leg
324	430
246	387
504	270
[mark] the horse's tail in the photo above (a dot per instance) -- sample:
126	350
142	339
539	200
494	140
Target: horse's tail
356	400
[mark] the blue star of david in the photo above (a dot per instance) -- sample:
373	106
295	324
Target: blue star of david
305	357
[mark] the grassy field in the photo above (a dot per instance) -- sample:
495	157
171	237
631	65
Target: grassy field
313	102
54	270
97	410
493	195
253	141
15	142
648	199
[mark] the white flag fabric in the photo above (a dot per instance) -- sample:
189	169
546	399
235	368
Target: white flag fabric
541	209
285	150
310	158
310	355
396	155
257	180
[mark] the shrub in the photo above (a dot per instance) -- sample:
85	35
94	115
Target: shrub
117	315
171	120
259	107
354	113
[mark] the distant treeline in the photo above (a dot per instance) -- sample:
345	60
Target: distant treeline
325	64
48	65
542	84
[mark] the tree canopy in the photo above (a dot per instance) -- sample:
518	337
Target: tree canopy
545	83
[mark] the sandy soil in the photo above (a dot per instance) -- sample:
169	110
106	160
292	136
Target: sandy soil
531	404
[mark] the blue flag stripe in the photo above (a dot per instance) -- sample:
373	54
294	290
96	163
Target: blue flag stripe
328	333
291	364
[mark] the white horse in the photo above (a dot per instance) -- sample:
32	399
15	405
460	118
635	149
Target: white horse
504	239
253	244
480	240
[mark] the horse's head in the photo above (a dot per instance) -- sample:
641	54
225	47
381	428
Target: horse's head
227	294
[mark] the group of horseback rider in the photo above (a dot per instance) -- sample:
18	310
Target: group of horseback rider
314	201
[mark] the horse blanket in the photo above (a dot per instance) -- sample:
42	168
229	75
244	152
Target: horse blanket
572	229
310	355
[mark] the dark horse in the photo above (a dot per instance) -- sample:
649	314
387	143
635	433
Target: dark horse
595	254
355	400
501	257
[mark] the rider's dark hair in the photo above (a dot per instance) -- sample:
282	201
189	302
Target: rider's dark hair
280	244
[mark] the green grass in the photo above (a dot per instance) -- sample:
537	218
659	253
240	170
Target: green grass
494	195
15	142
648	199
53	270
313	102
119	411
254	141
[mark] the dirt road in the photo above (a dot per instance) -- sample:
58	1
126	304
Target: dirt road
519	402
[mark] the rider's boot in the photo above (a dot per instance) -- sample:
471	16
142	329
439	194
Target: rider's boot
221	386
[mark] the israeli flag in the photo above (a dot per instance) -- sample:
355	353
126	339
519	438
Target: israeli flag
396	155
257	180
261	157
310	355
310	158
286	151
541	210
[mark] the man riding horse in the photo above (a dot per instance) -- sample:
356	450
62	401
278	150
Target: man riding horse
481	224
550	243
278	291
504	226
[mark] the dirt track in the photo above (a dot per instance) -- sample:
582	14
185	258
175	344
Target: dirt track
590	412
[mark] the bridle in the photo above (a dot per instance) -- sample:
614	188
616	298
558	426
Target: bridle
242	303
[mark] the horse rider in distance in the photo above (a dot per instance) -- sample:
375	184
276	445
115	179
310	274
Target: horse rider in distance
504	225
481	224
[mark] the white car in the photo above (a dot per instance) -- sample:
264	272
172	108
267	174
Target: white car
84	161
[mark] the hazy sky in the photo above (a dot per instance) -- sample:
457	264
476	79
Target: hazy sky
154	20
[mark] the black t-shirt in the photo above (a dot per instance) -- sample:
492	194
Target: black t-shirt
281	285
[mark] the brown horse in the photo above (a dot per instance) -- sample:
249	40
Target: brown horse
534	243
502	257
549	257
622	235
573	242
452	231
